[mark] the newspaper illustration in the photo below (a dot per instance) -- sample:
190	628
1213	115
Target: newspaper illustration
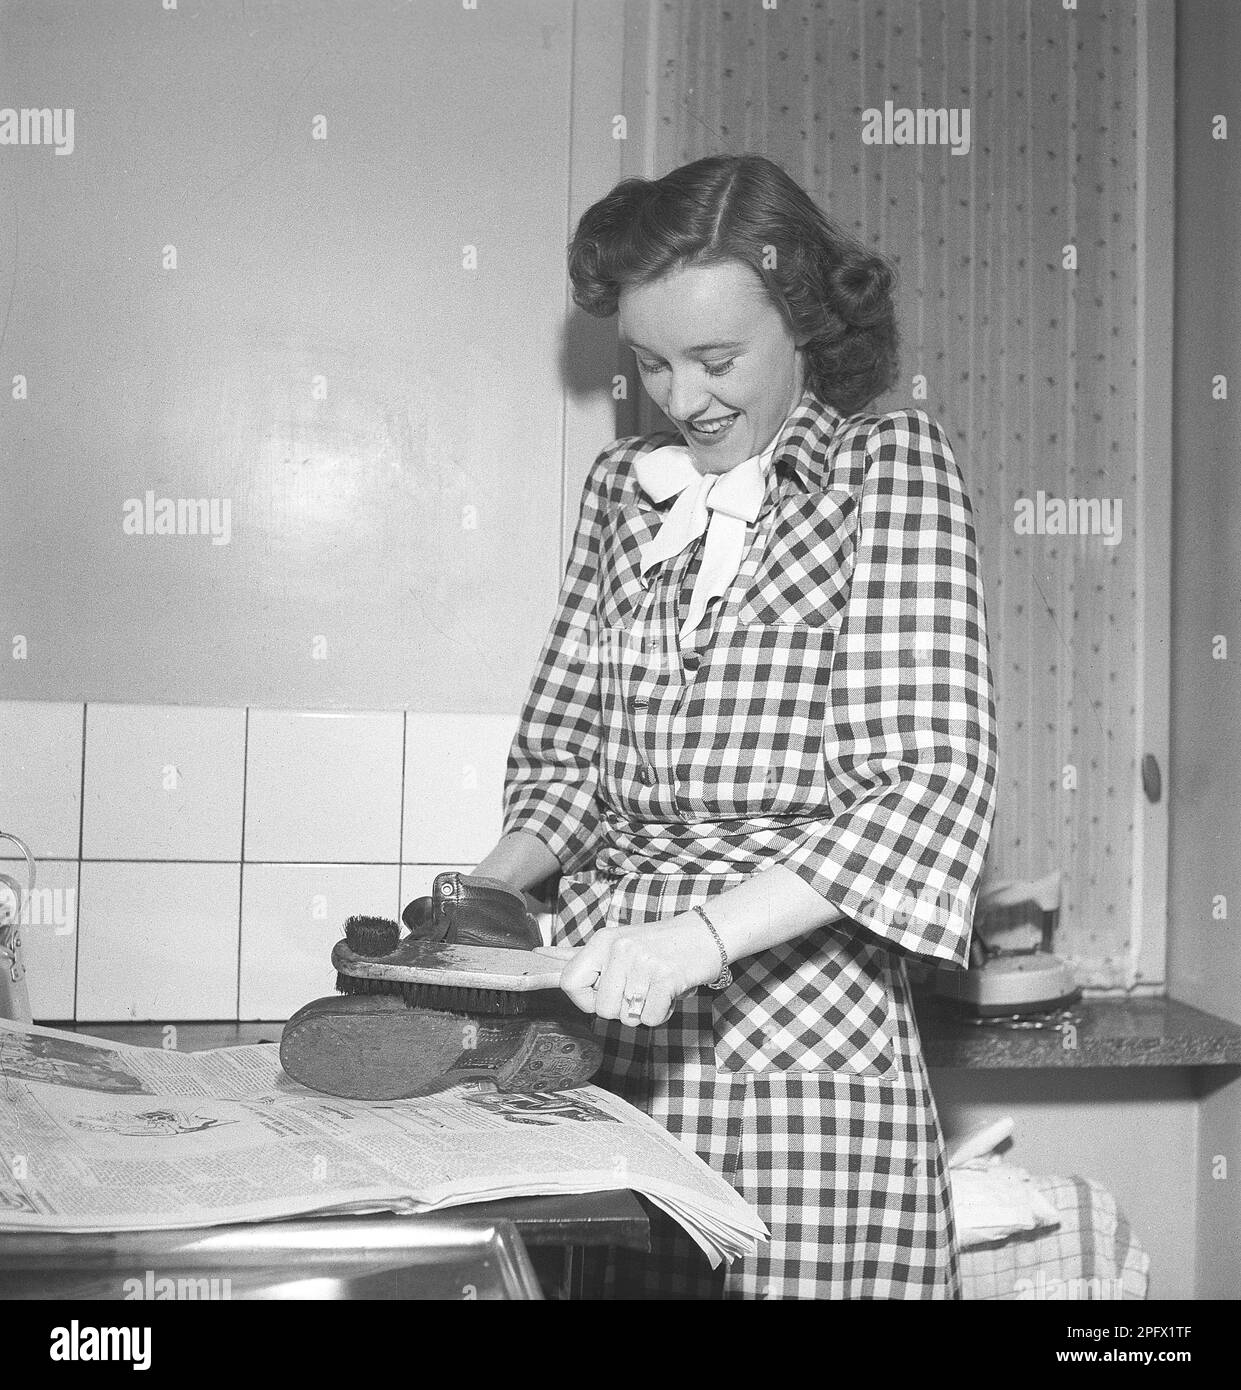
102	1136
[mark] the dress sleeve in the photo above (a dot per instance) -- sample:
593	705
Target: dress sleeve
551	784
910	741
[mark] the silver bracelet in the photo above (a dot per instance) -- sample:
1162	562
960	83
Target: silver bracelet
725	977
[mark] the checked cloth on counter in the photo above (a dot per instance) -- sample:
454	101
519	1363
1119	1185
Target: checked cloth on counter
834	714
1091	1254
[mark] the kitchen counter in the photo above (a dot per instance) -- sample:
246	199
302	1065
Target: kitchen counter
1135	1032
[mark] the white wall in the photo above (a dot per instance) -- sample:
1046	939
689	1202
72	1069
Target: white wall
394	538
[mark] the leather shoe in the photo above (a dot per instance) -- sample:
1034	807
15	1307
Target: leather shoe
473	910
374	1047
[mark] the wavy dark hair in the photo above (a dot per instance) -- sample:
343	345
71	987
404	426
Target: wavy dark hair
835	295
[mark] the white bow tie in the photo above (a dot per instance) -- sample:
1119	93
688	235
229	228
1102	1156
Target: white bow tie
721	504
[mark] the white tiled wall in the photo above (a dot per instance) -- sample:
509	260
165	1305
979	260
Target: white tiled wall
158	941
454	778
163	783
324	787
199	863
41	778
290	916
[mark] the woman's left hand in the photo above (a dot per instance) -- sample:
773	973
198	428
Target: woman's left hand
637	974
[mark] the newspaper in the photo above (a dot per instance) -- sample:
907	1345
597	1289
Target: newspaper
103	1136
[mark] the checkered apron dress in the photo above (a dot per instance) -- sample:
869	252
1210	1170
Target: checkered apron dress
834	715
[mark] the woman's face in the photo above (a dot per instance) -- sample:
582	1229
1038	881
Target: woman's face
714	352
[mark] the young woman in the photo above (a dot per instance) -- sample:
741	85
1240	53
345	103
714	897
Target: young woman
759	745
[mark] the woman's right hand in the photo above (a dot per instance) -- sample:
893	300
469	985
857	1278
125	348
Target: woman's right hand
638	974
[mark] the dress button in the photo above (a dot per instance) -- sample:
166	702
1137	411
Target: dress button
691	660
649	775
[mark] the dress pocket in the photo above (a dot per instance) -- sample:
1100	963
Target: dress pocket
815	1004
805	572
751	725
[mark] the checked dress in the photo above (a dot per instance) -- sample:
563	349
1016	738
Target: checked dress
833	714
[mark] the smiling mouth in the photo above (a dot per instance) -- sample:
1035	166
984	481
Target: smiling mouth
713	428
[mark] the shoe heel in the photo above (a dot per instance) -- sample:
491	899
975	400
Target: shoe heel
551	1057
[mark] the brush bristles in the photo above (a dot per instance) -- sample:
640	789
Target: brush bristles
497	1003
372	936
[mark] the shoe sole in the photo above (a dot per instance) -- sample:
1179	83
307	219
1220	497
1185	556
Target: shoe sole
377	1048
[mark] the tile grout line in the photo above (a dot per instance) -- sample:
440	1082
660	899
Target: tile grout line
77	928
400	837
305	863
308	863
241	867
